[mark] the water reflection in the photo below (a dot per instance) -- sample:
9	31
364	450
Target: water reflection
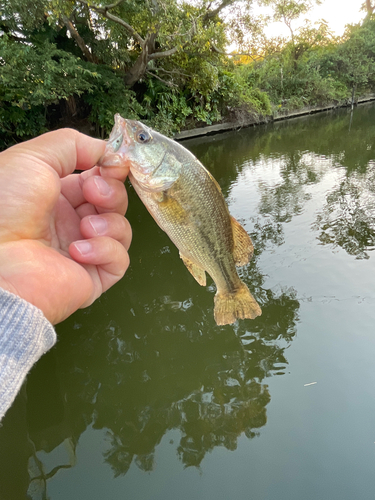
347	220
170	370
148	357
304	153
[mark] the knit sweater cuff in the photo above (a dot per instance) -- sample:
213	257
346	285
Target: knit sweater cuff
25	335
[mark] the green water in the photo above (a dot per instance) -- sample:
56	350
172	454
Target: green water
145	398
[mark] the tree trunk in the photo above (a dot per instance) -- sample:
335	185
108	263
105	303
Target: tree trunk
139	68
370	8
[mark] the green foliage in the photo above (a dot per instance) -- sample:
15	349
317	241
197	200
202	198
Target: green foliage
353	62
172	111
298	87
235	93
315	68
289	10
31	78
109	96
65	51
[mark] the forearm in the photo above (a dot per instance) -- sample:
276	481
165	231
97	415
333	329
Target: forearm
25	335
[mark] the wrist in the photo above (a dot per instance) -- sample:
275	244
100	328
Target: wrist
6	286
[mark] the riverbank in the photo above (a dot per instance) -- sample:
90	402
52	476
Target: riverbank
223	127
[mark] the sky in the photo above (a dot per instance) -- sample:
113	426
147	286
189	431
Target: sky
337	13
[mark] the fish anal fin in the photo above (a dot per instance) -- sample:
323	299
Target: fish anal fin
238	305
243	246
197	272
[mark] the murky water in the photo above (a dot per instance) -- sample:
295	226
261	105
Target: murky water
145	398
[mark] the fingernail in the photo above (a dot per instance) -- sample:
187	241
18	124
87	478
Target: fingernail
103	187
84	247
99	224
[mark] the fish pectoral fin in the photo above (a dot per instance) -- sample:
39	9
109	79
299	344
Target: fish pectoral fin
172	210
243	246
238	305
197	272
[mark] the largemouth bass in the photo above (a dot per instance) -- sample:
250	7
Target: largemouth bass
186	202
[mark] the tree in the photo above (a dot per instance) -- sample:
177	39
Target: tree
170	53
354	60
289	11
31	79
129	36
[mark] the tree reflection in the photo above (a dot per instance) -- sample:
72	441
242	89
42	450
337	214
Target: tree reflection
146	360
207	384
212	391
304	152
325	134
288	197
348	218
219	417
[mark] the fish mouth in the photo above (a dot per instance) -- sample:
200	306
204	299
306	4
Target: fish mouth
118	143
121	127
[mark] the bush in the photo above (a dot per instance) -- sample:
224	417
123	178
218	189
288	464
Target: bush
108	96
31	79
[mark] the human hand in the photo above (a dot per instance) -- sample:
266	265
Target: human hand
63	236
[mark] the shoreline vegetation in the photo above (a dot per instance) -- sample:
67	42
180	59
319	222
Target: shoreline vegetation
79	62
226	126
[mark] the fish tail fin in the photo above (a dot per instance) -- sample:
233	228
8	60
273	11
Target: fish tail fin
237	305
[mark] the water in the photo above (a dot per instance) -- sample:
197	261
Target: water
145	398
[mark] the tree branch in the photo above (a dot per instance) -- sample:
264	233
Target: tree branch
164	53
113	5
173	50
77	37
170	84
148	50
215	12
104	12
173	72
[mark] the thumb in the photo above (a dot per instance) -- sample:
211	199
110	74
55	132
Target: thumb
64	150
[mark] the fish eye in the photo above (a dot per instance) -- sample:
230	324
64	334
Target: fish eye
143	137
117	143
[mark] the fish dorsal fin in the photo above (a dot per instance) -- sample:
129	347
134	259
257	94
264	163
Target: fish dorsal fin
243	246
197	272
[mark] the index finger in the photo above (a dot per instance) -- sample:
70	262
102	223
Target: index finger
65	150
119	173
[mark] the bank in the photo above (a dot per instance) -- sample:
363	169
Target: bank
281	115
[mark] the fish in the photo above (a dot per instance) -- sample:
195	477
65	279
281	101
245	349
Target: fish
186	202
